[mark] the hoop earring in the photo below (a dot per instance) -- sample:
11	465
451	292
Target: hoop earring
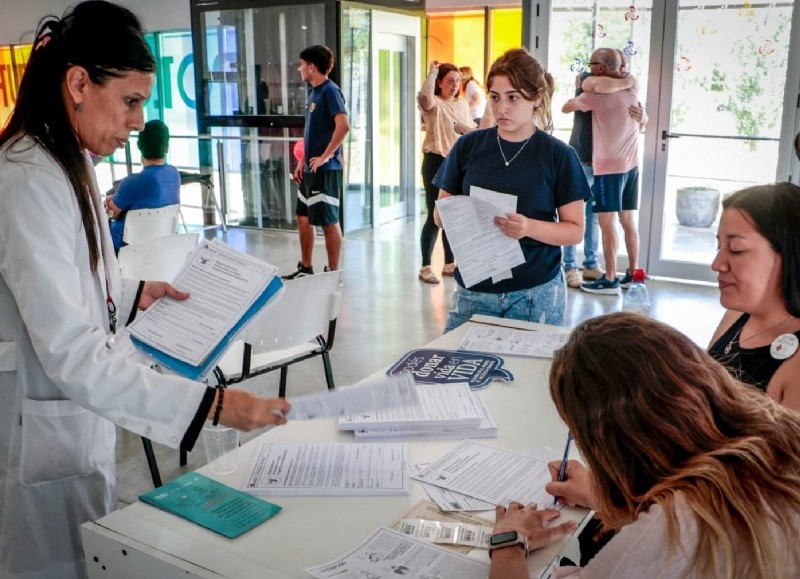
77	107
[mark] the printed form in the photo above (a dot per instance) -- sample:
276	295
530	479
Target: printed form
328	469
480	248
400	391
387	553
491	474
497	340
223	284
439	406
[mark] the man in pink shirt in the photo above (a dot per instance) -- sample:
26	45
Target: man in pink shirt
615	164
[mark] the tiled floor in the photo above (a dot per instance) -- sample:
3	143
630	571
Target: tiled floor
386	311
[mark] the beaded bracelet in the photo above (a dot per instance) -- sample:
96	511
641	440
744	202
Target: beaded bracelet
220	399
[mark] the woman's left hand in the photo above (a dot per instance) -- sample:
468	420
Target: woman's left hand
530	522
153	290
513	224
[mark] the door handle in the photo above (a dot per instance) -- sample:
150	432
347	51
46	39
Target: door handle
667	135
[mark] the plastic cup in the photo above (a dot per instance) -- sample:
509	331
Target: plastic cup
222	444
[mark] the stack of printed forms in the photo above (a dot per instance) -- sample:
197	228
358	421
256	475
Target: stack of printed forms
444	411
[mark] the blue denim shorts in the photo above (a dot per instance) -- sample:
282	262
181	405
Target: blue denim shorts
545	304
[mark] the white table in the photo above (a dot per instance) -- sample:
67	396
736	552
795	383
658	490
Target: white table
142	541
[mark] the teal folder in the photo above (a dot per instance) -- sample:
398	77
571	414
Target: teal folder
198	372
211	504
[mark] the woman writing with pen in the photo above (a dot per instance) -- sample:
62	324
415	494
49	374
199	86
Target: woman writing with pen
698	473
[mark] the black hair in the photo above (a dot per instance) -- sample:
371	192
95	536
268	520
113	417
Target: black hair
774	210
320	56
107	41
153	141
797	146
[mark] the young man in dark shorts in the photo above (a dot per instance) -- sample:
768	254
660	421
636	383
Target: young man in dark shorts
319	173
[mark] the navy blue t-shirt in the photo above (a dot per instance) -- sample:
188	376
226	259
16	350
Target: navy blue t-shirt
546	175
580	138
155	186
324	103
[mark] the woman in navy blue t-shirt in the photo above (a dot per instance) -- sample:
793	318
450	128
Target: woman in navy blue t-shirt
518	157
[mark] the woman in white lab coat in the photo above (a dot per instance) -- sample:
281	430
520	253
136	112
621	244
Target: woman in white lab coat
64	380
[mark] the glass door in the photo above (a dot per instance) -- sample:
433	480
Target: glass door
389	177
395	41
717	129
577	29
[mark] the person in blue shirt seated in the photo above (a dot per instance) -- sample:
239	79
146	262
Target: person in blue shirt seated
158	185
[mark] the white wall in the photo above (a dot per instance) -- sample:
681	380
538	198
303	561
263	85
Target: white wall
18	18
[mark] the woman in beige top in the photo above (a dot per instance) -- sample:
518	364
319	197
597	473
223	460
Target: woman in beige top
446	117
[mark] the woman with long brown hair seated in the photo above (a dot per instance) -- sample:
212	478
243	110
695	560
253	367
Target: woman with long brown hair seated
698	473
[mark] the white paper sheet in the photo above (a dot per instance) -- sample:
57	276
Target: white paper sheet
448	500
497	340
451	501
389	554
439	406
505	203
480	248
486	429
491	474
328	469
391	392
223	284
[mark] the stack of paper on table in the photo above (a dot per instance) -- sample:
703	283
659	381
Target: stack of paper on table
487	428
442	408
227	288
515	342
328	469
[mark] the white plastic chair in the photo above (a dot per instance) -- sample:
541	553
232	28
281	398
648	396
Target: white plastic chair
144	224
159	259
301	325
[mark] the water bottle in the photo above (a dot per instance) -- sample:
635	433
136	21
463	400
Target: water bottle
636	299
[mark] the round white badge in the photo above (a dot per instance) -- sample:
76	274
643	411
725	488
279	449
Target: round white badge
784	346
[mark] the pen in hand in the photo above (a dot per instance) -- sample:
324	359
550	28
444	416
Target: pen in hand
562	472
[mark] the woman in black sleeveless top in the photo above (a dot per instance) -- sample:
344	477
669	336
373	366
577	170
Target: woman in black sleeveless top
758	267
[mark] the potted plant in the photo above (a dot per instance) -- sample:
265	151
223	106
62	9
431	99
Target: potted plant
697	206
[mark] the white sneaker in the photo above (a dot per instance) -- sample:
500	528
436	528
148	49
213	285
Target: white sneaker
574	279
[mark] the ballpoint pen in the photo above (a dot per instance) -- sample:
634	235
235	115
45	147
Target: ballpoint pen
562	472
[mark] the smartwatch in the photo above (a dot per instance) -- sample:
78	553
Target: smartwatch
508	539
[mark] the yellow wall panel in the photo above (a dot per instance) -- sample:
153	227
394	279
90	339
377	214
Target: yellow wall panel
505	27
10	74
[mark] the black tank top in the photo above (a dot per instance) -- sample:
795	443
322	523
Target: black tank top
754	366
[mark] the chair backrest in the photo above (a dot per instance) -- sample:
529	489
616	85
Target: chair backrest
302	313
157	259
144	224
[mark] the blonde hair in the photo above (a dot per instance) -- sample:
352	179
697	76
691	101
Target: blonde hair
658	420
528	77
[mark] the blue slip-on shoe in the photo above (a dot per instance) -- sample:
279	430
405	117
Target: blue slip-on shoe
626	280
602	286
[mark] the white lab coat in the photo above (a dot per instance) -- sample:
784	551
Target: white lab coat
61	388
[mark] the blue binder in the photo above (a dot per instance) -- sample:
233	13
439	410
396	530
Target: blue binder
198	372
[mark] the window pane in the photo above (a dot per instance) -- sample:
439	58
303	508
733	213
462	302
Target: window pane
251	58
